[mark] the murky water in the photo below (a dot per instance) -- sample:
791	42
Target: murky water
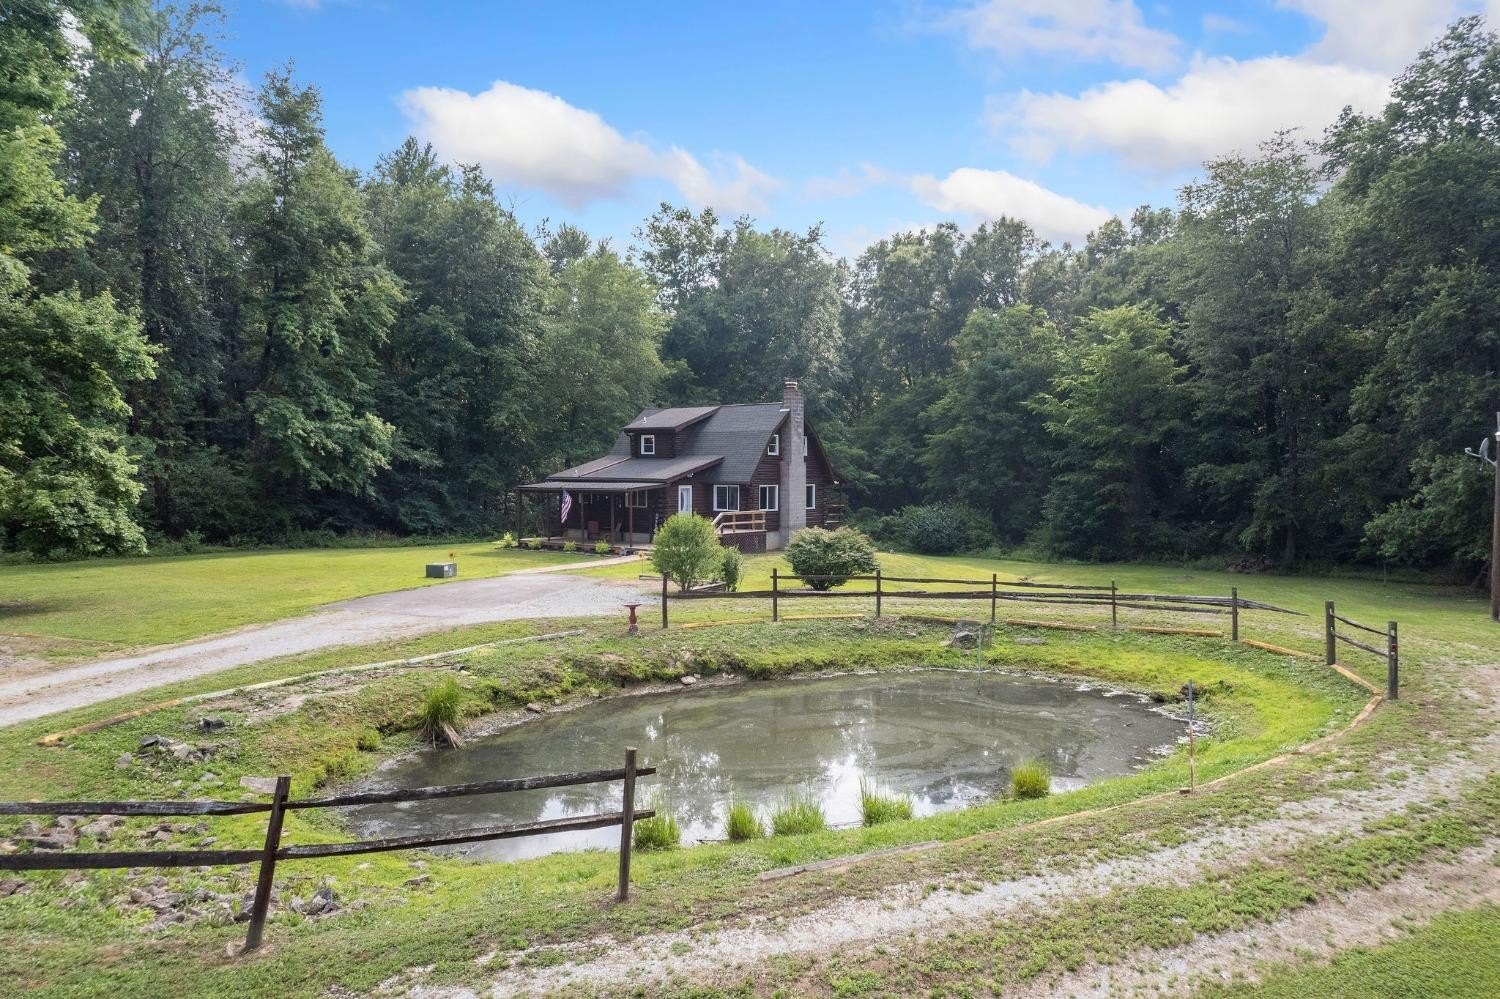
948	739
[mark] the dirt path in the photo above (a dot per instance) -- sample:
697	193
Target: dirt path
350	622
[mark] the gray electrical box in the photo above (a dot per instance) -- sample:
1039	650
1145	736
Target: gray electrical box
441	570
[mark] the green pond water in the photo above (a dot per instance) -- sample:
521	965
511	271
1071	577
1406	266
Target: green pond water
948	739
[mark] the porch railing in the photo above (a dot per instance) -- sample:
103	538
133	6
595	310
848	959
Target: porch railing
740	521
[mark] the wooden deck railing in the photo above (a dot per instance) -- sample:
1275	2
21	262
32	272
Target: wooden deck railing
273	850
740	521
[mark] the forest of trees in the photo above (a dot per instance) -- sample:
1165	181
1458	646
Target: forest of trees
212	329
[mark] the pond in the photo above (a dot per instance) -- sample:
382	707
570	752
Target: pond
948	739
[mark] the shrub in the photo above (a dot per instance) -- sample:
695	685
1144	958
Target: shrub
844	552
368	740
1030	780
798	814
601	547
875	807
733	568
507	540
742	823
939	529
687	550
535	544
440	711
570	546
659	832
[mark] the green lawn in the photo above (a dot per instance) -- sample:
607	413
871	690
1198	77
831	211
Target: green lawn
79	609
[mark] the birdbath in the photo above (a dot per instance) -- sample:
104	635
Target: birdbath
634	628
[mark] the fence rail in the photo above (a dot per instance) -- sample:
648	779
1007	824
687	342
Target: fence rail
994	589
1391	652
273	850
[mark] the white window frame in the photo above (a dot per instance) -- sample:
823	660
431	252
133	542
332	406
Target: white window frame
774	448
718	508
775	494
636	498
812	496
685	489
804	445
648	445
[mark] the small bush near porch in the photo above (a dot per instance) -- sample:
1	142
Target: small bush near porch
687	550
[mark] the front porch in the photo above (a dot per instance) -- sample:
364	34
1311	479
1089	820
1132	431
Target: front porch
624	515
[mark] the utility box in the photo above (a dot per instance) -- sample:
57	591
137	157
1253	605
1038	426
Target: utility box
442	570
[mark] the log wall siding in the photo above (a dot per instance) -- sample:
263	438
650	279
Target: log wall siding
666	443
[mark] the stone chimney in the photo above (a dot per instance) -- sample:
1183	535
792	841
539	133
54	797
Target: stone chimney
793	464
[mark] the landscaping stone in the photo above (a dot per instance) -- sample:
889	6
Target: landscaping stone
147	741
12	886
261	785
688	681
211	723
535	708
124	761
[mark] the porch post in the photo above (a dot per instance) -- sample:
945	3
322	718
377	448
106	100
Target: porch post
629	521
614	535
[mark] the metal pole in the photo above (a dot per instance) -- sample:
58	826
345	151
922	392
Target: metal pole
775	611
1330	652
1114	606
1392	662
877	593
627	823
1495	534
1234	613
664	601
262	903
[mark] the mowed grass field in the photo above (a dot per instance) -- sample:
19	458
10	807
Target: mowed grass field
75	610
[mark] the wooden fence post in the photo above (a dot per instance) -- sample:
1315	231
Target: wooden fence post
994	595
877	593
775	611
627	823
1114	605
1330	651
664	601
262	902
1392	662
1234	613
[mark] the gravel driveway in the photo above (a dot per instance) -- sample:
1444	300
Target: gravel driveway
349	622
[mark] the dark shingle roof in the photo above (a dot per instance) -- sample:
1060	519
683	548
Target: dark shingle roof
620	468
740	434
671	419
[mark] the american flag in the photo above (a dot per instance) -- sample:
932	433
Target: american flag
567	506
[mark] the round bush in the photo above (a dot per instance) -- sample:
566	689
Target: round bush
844	552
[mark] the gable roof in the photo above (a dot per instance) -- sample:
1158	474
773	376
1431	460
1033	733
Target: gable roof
738	433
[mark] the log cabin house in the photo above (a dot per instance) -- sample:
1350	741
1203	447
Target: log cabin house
758	471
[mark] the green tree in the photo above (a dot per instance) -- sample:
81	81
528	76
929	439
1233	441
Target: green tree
1115	413
686	550
66	478
316	308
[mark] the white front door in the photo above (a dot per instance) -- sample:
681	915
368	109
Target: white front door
684	499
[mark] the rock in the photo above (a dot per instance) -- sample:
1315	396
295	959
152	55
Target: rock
98	829
260	785
420	879
12	886
322	903
184	753
162	836
232	948
211	723
124	761
688	681
535	708
147	741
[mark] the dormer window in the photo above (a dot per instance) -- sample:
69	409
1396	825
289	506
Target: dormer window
648	444
774	448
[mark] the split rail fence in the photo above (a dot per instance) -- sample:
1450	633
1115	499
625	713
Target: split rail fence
1391	653
273	850
995	590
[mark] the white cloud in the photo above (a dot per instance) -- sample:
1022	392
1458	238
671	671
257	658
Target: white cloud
536	139
1379	34
1217	106
1094	30
987	194
847	183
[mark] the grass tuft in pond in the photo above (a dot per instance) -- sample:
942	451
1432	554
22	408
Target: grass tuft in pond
798	814
876	807
440	711
742	823
1031	779
659	832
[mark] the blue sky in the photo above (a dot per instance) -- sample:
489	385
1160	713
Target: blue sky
865	117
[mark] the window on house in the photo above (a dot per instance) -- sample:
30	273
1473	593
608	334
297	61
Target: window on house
812	496
774	447
726	498
636	498
770	497
648	443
